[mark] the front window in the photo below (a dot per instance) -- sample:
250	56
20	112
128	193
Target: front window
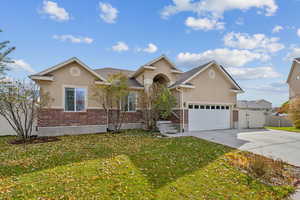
129	102
75	99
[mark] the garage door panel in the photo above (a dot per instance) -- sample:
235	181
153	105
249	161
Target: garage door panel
206	119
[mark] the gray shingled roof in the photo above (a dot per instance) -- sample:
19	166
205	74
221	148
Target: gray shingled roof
298	59
186	75
106	72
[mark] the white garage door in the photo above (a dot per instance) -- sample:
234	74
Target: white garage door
208	117
252	118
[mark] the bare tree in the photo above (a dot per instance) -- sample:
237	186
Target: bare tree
111	95
20	103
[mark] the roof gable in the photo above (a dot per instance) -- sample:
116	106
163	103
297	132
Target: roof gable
162	57
65	63
191	74
149	65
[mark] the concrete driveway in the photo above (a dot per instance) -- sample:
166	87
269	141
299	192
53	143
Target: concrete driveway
270	143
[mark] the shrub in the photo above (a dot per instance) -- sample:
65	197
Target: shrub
297	123
164	102
294	112
258	166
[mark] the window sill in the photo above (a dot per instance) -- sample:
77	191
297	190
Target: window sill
129	111
84	111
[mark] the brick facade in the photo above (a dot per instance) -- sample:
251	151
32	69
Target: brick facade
57	117
179	116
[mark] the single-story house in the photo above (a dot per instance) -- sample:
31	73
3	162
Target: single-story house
206	96
253	114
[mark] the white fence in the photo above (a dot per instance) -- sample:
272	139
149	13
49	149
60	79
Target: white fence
5	128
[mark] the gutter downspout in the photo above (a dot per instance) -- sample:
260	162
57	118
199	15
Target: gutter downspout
181	108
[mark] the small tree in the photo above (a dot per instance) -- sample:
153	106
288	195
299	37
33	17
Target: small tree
284	108
164	102
110	96
156	103
294	111
4	60
19	104
146	103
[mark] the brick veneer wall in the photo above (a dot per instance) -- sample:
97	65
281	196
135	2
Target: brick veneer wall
57	117
132	117
179	113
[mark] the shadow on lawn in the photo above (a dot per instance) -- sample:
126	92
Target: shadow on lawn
160	160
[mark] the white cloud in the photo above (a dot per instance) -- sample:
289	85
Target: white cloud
294	53
54	11
120	46
73	39
277	29
204	24
298	32
109	14
253	73
216	8
151	48
227	57
256	41
273	88
21	65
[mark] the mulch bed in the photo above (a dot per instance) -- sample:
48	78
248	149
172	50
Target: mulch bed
35	140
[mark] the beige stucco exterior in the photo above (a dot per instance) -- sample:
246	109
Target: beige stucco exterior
64	78
208	90
161	67
294	83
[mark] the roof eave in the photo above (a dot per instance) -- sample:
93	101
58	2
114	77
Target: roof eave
292	69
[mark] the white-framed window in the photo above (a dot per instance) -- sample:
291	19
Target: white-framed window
129	102
75	99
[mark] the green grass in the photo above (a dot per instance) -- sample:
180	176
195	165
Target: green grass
290	129
132	165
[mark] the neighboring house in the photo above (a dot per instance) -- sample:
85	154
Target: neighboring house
294	79
206	96
253	114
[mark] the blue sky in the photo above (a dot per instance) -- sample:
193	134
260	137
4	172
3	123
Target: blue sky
254	39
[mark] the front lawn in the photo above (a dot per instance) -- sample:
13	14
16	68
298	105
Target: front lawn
290	129
132	165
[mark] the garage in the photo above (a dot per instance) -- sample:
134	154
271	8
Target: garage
208	117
